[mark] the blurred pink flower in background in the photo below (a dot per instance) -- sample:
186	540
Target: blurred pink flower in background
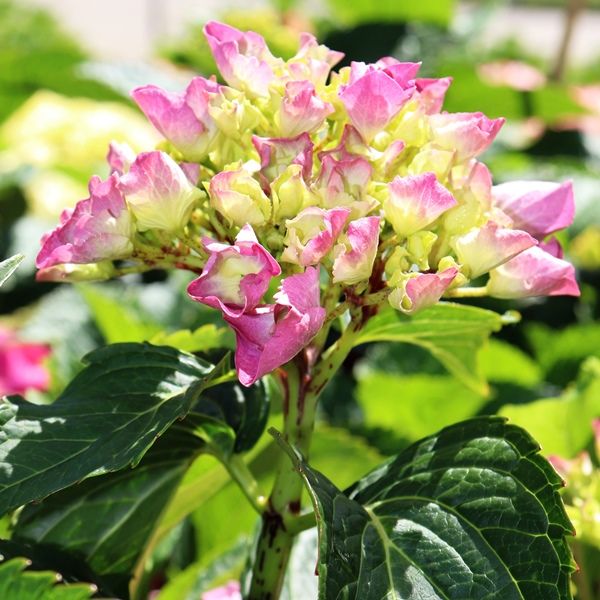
21	365
512	73
229	591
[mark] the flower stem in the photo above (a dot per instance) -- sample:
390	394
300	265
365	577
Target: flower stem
281	519
240	473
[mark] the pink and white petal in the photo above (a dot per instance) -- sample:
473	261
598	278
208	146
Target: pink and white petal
415	202
301	109
158	192
235	278
355	262
98	228
422	290
533	273
183	118
468	134
277	153
311	235
372	101
432	93
485	248
242	58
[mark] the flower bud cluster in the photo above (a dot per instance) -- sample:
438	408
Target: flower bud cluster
353	181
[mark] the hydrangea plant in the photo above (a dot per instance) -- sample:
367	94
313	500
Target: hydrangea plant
318	210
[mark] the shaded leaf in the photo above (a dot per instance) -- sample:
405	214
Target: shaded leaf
471	512
106	520
105	420
9	266
453	333
16	583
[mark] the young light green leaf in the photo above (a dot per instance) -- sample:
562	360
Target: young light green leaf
206	337
453	333
105	420
9	266
471	512
16	583
562	425
116	320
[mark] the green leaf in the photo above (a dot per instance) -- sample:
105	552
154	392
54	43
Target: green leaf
116	320
105	420
119	511
501	362
205	338
562	425
471	512
9	266
453	333
245	409
560	353
16	583
413	406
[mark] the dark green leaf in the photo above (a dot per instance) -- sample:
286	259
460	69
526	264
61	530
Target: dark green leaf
106	521
471	512
9	266
244	409
453	333
105	420
18	584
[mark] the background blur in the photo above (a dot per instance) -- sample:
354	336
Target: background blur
66	69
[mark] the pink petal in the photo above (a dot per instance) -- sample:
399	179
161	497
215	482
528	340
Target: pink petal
342	181
422	291
415	202
372	101
242	58
277	153
432	93
272	335
313	62
182	118
538	207
301	109
468	134
119	158
235	278
355	263
533	273
158	192
485	248
99	228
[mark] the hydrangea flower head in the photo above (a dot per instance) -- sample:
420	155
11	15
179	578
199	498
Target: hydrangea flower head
330	186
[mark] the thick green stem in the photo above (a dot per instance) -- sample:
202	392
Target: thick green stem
281	518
